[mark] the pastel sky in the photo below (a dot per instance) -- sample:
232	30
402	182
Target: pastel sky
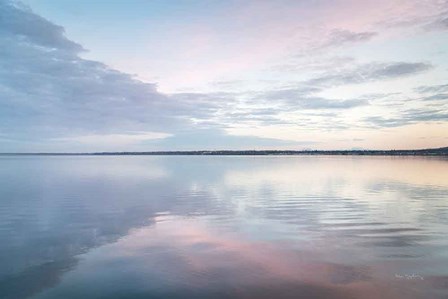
136	75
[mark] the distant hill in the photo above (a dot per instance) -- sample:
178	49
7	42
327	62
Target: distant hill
443	151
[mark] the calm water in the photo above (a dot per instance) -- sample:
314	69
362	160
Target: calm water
223	227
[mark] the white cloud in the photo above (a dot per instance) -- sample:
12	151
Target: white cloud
113	140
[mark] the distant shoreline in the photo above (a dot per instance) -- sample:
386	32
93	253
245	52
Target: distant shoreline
419	152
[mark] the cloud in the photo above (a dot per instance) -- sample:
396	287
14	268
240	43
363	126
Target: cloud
51	98
340	37
432	88
315	64
18	21
441	23
214	139
265	116
48	92
301	98
426	15
435	93
437	97
370	72
112	140
304	96
322	41
47	88
438	21
408	117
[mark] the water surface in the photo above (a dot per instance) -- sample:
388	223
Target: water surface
223	227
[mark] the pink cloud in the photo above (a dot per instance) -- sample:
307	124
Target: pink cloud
249	36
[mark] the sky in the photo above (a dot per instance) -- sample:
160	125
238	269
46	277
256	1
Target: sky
143	75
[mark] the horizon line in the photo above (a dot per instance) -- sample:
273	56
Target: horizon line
422	151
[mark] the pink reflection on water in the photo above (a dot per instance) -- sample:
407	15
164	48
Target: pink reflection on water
211	260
